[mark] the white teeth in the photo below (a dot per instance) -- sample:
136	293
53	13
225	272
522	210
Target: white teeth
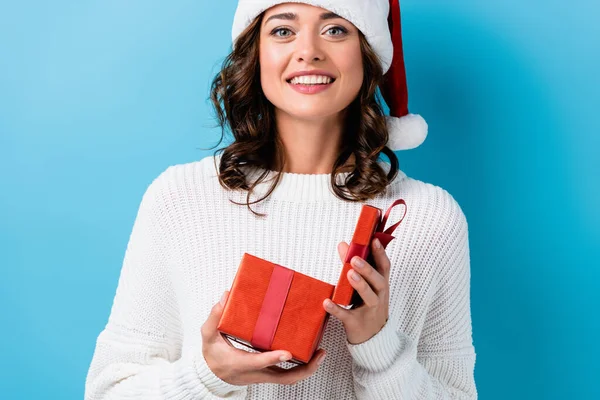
311	80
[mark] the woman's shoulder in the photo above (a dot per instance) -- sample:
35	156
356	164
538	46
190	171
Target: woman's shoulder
183	174
177	181
430	203
199	169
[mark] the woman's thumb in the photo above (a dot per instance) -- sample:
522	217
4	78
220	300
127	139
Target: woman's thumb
224	298
212	322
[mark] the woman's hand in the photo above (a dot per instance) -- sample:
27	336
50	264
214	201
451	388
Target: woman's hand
362	323
239	367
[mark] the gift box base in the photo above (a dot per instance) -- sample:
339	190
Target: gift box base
284	306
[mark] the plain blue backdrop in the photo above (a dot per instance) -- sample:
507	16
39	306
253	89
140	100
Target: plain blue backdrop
98	97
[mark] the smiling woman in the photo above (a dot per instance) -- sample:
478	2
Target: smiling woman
333	96
299	95
296	63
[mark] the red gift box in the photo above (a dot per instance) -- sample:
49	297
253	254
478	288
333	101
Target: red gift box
271	307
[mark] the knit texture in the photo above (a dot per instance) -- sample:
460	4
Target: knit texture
183	252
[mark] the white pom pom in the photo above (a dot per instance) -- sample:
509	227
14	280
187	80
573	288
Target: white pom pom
406	132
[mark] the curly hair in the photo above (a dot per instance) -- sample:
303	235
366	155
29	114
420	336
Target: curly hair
240	104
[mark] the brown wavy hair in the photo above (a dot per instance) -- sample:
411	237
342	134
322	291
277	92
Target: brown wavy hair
241	106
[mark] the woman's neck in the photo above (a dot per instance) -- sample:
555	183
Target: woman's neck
309	146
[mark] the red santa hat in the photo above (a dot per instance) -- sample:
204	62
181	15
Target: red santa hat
379	21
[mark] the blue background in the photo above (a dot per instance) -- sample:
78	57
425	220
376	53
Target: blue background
98	97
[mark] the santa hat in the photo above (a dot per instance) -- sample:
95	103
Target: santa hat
379	21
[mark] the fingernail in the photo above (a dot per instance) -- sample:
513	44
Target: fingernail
328	305
354	276
358	262
377	243
321	359
223	298
285	357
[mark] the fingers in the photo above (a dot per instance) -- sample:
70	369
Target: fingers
342	250
370	298
274	374
340	313
209	328
267	358
381	259
376	275
368	272
295	374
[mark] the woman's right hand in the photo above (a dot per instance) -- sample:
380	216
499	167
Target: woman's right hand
240	367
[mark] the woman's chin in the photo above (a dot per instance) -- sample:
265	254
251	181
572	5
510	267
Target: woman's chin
310	114
311	109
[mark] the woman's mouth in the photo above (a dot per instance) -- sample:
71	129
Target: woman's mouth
310	84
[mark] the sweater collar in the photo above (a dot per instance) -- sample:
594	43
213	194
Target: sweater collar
300	188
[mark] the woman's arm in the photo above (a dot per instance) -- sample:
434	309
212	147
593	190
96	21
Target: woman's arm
388	366
138	354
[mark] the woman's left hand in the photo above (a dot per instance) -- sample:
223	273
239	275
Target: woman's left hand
362	323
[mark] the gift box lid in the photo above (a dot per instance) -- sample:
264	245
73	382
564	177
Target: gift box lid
369	226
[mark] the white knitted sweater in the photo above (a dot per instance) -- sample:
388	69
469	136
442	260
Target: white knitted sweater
186	244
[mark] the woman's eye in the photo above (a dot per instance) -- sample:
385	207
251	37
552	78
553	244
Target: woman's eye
341	30
275	31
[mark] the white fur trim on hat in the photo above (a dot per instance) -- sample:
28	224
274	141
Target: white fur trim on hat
406	132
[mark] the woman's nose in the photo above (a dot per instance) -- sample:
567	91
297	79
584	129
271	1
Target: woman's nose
308	48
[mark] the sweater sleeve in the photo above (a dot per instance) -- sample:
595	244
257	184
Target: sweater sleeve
390	365
139	352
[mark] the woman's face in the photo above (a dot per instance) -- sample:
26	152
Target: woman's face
298	37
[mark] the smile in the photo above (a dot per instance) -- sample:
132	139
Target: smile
310	84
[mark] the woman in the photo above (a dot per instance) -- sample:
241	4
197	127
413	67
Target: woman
298	92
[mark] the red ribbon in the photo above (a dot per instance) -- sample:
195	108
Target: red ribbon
272	307
386	236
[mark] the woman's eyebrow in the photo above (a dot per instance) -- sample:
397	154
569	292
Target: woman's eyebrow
293	16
